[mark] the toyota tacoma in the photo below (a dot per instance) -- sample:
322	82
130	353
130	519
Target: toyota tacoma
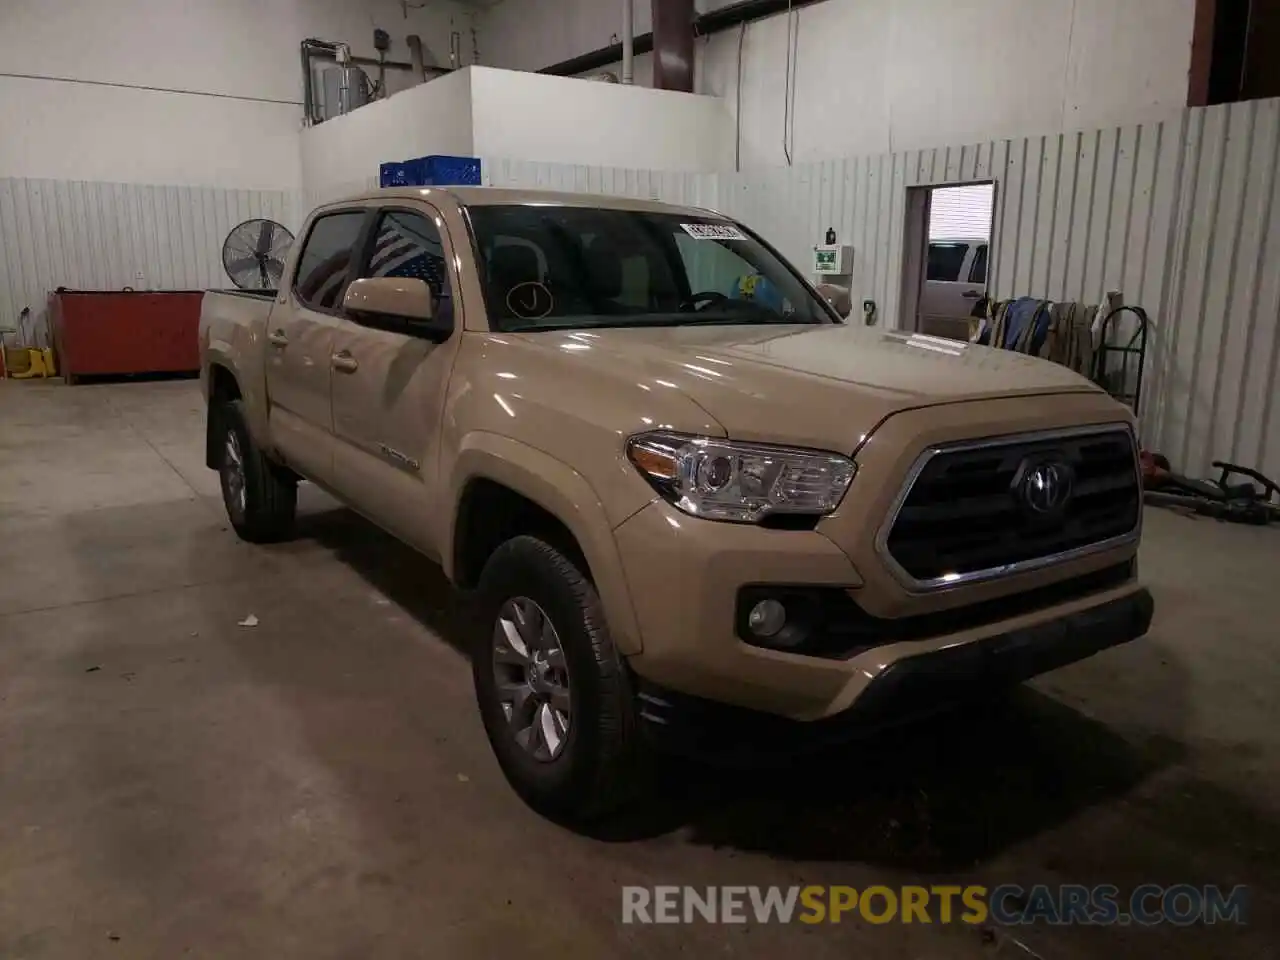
693	506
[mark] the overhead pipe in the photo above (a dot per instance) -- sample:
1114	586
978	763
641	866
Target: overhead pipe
598	59
628	41
745	11
374	62
417	58
343	56
705	25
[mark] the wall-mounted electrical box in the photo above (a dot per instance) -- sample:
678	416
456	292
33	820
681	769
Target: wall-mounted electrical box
833	260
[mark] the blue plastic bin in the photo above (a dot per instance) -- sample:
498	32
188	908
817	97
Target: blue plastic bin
395	175
433	171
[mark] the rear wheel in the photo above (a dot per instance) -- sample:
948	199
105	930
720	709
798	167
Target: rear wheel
553	692
261	499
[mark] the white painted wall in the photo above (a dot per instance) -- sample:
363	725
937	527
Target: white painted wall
882	75
71	106
491	113
342	155
74	131
562	120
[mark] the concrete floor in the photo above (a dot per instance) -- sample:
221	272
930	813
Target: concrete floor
318	785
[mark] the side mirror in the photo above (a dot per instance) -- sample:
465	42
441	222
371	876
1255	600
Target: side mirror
840	298
405	302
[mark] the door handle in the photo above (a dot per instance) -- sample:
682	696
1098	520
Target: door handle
344	362
971	295
278	339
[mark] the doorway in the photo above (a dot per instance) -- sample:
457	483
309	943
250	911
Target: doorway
946	251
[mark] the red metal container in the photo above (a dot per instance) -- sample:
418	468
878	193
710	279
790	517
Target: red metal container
120	332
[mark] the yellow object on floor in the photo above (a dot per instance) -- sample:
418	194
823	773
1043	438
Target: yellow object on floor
29	363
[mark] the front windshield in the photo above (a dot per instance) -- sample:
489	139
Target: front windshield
564	267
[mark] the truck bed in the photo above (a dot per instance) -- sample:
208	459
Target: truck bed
252	294
233	327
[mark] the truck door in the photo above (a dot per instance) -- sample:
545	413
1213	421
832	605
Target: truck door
949	294
300	343
389	385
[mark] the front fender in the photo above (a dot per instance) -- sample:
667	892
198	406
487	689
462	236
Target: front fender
562	492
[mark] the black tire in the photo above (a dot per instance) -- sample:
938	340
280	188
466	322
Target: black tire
603	762
266	512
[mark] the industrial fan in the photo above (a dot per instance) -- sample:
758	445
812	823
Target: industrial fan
254	254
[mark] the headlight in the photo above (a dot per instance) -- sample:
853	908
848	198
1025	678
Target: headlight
742	482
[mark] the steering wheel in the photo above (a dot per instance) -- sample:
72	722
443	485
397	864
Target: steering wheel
706	298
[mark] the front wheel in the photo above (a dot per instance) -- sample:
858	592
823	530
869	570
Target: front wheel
553	692
261	499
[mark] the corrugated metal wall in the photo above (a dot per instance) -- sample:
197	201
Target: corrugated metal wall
100	236
1181	217
1074	214
1220	300
695	189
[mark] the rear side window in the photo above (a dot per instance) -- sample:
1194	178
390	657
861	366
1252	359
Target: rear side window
323	268
945	260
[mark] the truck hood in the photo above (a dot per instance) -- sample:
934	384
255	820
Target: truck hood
817	386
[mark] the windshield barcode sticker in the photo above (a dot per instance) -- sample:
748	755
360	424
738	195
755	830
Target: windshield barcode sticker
712	231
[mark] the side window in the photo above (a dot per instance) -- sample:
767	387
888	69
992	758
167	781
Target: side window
945	261
978	272
323	267
409	245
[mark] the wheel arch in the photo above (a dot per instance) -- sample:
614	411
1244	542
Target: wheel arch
503	488
221	386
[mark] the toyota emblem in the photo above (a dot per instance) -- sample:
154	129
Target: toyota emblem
1046	487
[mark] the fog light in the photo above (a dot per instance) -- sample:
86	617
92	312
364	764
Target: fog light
767	618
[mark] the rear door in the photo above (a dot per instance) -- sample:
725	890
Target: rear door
389	384
299	344
949	295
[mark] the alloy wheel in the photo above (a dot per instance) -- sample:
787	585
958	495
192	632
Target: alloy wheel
532	678
233	473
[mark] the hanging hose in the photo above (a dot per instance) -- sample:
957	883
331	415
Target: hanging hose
788	121
737	144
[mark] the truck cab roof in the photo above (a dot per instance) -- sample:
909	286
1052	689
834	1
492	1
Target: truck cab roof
499	196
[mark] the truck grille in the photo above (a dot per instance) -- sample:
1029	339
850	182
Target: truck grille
979	511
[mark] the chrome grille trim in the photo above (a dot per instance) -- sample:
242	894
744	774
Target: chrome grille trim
949	582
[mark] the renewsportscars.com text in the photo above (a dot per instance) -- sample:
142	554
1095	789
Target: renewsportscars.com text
1007	904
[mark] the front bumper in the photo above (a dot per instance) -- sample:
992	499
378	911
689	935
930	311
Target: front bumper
908	688
684	576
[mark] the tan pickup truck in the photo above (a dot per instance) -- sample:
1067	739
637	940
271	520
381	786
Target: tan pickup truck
697	510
